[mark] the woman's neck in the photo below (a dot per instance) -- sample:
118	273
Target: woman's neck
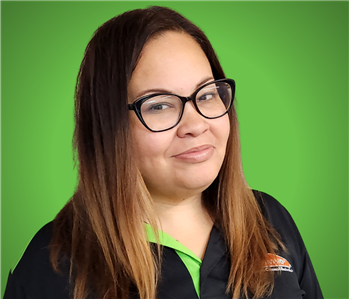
187	221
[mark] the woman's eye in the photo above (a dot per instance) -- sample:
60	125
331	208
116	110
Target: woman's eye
207	96
158	107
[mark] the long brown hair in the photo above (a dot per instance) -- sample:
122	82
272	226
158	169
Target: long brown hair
101	229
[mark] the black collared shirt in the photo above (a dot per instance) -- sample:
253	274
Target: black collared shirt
34	278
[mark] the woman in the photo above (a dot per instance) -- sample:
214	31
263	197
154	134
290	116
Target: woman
162	209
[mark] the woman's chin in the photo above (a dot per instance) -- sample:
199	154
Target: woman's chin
197	185
201	178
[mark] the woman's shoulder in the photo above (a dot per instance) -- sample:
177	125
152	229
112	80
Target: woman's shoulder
274	211
37	251
267	202
33	276
281	220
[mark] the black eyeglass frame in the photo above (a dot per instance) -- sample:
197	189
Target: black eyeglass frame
136	105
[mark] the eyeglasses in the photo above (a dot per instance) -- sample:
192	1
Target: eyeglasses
162	111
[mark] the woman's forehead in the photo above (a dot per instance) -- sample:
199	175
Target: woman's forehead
173	61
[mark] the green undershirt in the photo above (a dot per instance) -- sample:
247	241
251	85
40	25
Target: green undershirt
189	259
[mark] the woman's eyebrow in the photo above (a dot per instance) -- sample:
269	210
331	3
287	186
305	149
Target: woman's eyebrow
202	82
152	90
161	90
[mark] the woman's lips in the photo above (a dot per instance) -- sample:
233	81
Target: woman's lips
196	154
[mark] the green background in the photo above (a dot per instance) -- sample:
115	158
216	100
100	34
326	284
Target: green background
290	63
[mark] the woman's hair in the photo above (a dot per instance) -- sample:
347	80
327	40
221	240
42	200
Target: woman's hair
101	229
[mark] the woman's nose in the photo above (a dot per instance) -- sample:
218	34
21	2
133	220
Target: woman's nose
192	123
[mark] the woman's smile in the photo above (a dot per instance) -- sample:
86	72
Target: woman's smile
196	154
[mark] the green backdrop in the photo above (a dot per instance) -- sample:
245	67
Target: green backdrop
290	63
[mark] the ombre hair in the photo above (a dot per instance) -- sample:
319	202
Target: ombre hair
101	228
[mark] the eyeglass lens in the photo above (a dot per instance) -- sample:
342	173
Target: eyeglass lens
163	111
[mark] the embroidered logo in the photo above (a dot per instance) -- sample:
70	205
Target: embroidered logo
277	263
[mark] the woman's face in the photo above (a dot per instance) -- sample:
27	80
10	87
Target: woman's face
184	160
